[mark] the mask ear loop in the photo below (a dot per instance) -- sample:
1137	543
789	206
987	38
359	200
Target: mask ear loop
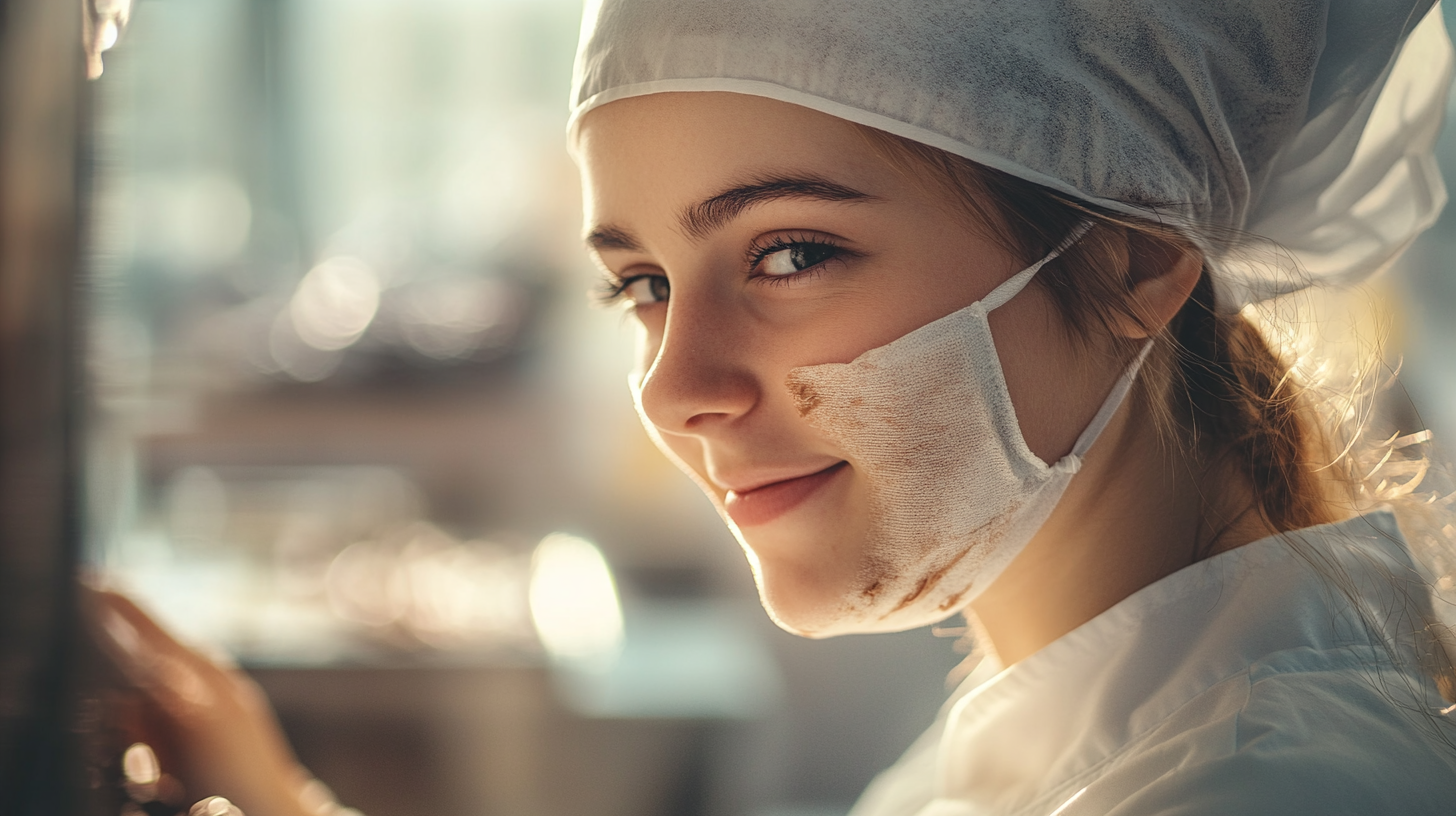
1072	462
1013	285
1109	407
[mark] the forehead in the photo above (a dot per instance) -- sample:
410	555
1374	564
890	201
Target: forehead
658	153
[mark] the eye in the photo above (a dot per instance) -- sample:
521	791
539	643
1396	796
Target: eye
645	289
790	257
635	290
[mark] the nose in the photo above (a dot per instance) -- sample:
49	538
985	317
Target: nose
701	378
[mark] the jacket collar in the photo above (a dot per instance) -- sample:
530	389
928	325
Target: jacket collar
1033	728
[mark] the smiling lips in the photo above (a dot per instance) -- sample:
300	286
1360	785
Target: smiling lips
764	504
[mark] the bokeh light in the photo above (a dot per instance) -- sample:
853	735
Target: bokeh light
574	601
334	303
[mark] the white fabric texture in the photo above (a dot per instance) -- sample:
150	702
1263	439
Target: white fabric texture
1244	684
954	493
1212	114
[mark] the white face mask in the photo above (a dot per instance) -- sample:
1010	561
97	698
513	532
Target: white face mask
955	494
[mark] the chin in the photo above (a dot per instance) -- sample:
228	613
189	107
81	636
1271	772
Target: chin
810	600
809	563
822	586
800	619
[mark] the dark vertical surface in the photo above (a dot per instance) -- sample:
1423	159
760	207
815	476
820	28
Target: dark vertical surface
41	89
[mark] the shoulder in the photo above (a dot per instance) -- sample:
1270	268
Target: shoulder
1303	733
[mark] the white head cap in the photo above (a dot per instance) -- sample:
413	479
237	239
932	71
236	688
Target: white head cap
1308	123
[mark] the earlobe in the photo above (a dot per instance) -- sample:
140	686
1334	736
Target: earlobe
1162	276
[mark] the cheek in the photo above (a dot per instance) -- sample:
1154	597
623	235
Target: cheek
646	347
1055	382
687	454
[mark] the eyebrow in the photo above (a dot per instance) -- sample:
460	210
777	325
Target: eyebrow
709	215
702	219
608	237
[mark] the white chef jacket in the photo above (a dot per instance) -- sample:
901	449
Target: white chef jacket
1243	684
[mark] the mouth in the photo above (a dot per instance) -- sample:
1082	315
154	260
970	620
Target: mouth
765	503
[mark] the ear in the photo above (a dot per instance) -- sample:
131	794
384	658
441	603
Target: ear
1161	276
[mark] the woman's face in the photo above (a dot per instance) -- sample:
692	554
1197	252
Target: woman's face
750	237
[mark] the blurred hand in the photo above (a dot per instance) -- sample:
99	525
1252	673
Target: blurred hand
226	739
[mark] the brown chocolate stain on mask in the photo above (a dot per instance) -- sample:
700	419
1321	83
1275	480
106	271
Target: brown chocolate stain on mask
928	581
806	396
876	575
988	533
950	603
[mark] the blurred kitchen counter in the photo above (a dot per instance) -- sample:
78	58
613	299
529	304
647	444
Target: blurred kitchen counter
668	726
483	740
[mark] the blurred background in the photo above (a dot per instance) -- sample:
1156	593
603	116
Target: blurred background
356	422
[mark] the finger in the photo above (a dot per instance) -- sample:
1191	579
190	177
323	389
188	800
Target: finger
118	634
177	677
186	683
145	628
142	636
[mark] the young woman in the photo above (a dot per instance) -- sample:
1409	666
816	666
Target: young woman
940	303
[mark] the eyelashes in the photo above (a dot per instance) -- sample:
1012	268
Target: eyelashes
781	259
609	289
637	289
793	257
